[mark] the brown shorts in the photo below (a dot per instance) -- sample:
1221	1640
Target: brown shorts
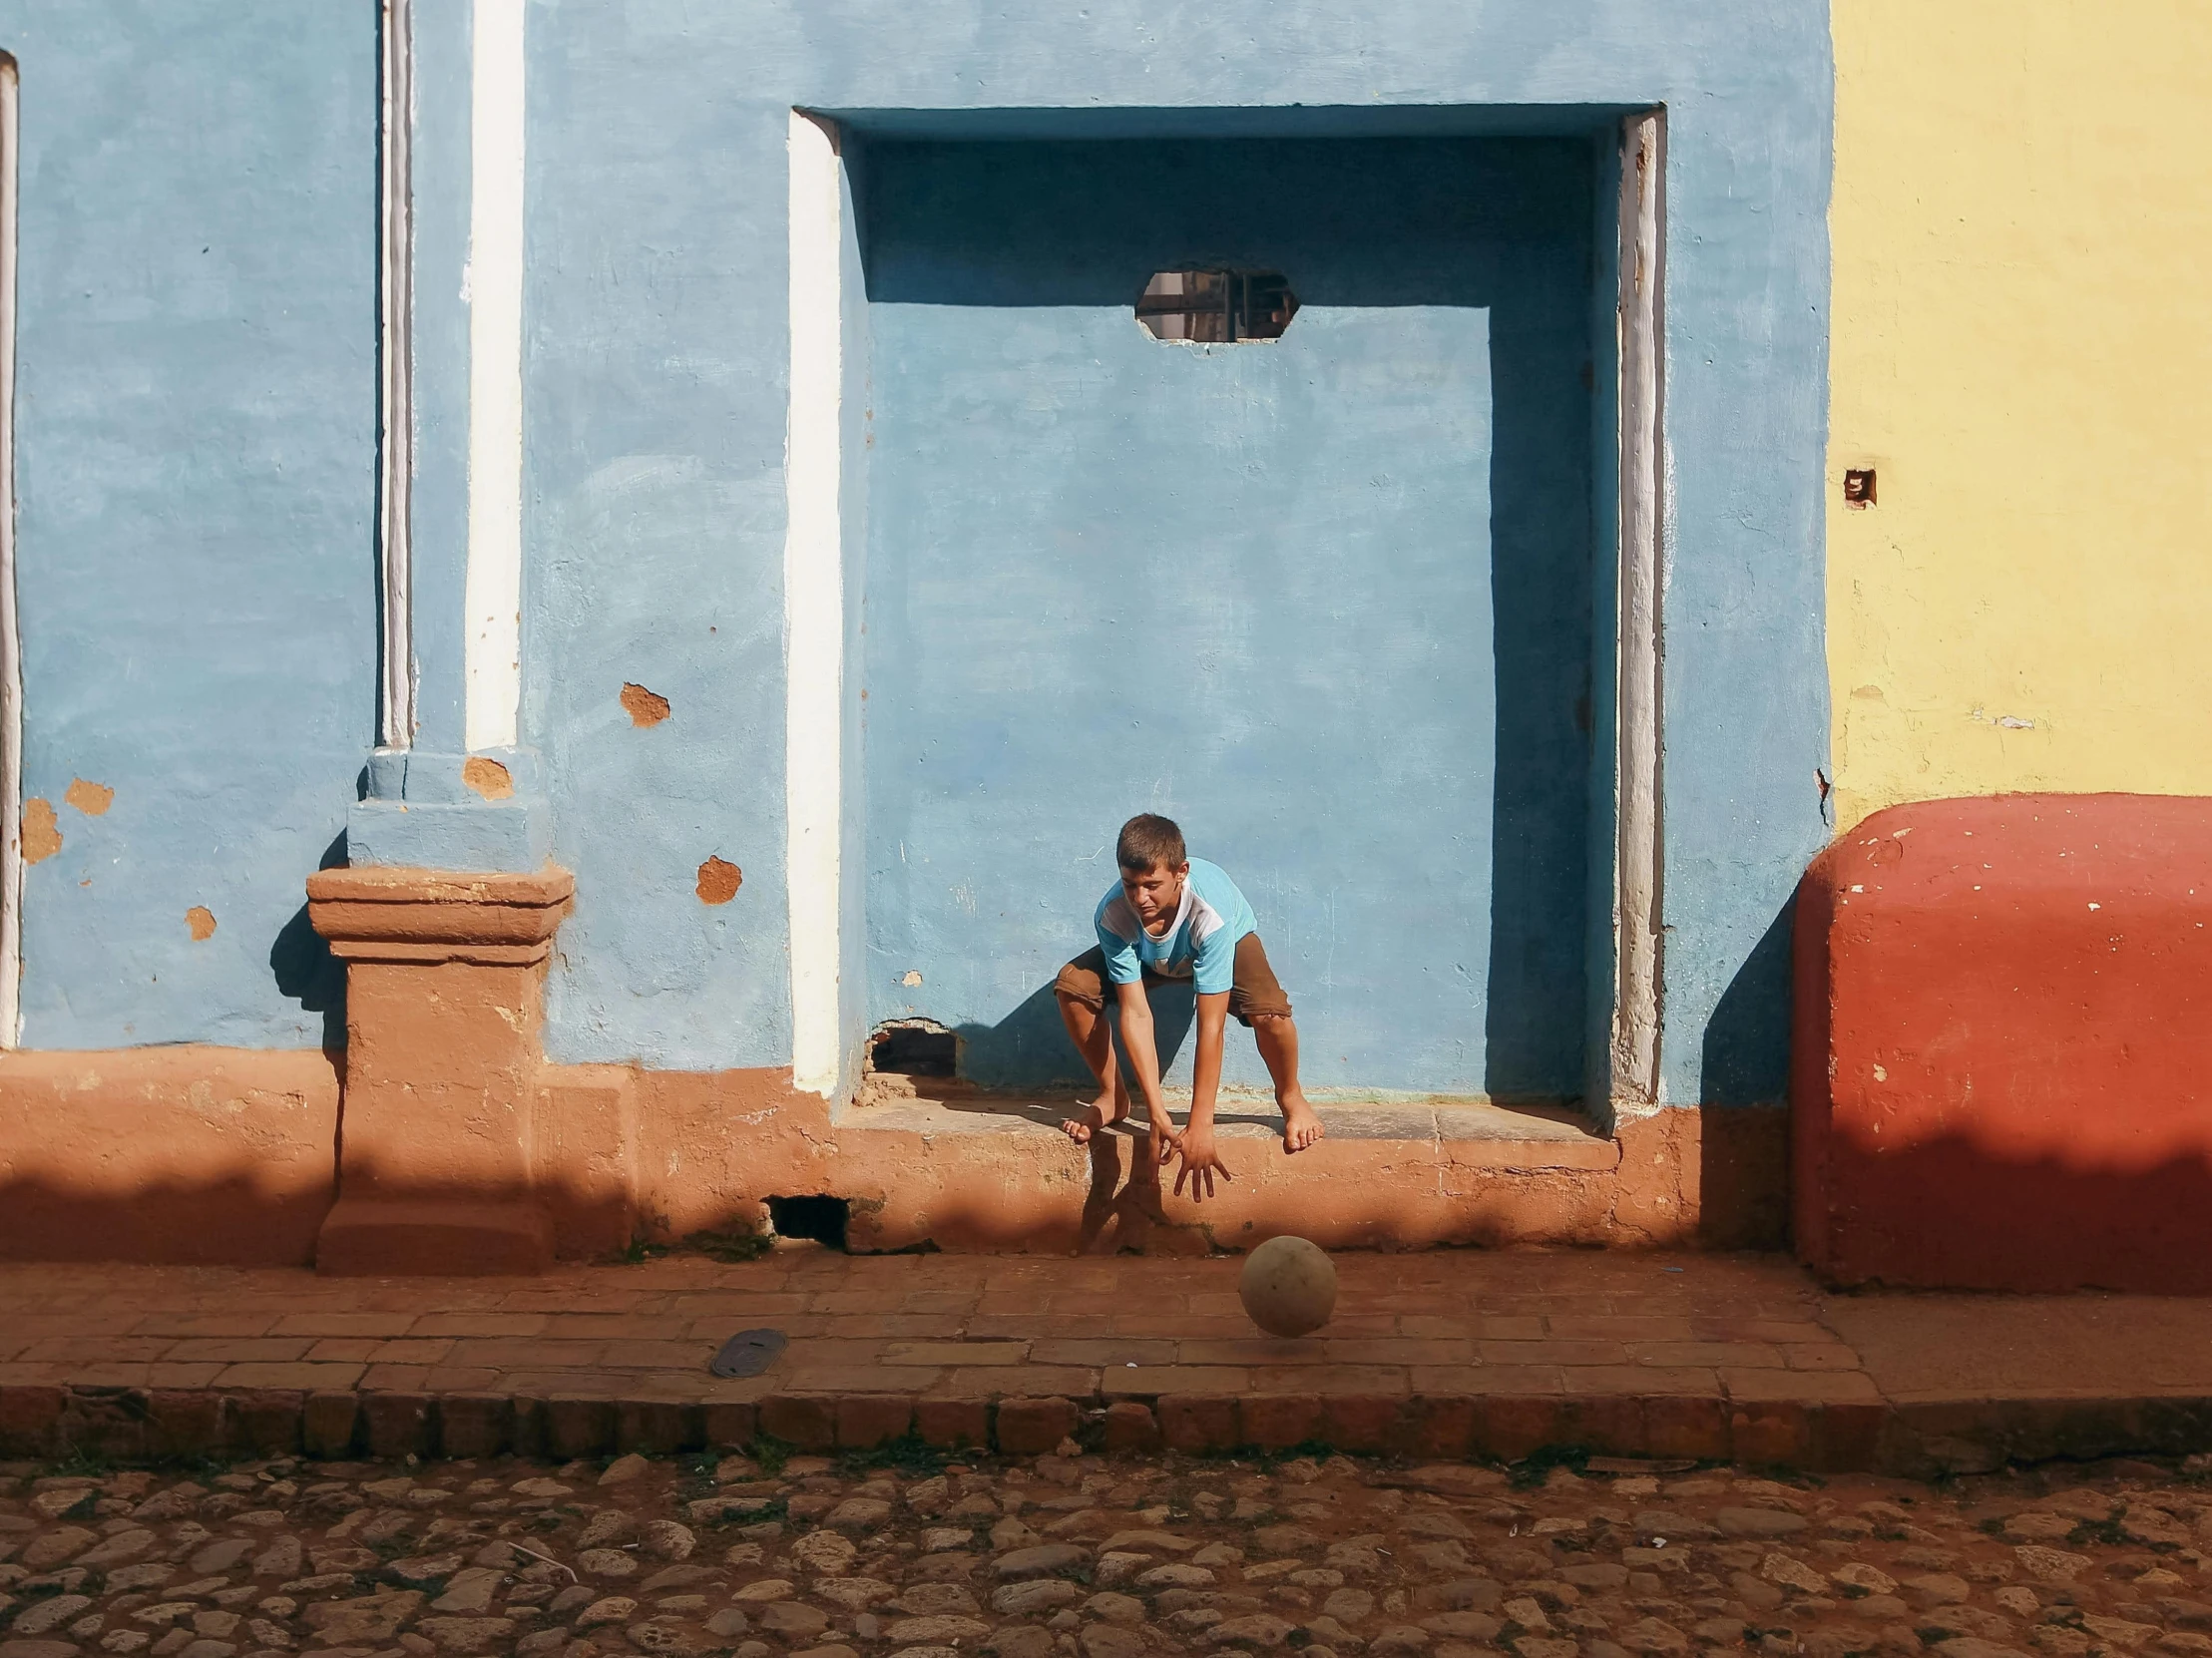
1253	995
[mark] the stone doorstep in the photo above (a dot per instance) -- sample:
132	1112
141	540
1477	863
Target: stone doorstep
1472	1133
1829	1435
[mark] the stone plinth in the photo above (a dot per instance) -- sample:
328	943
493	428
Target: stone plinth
445	976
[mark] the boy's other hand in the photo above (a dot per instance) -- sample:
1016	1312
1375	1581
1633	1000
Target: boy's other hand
1200	1161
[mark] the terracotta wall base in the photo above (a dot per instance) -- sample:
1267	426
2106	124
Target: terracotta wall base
214	1155
1714	1177
196	1155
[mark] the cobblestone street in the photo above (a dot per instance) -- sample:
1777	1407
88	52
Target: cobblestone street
909	1553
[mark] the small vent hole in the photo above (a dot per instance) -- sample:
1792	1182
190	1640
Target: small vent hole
820	1219
1216	307
915	1051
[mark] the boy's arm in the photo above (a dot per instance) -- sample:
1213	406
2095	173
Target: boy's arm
1144	1054
1200	1161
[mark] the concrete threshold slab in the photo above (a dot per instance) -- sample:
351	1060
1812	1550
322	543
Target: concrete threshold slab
1541	1137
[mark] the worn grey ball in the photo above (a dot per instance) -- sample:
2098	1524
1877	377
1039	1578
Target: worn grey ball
1288	1286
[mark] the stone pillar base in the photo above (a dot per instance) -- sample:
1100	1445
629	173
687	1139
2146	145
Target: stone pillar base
402	1237
445	978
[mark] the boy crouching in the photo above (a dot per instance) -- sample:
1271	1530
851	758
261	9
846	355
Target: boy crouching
1174	917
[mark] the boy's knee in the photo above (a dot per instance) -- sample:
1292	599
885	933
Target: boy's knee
1079	989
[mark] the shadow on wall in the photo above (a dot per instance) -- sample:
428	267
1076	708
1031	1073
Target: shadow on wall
1746	1067
233	1221
243	1220
1747	1039
2137	1231
2145	1231
1030	1047
303	967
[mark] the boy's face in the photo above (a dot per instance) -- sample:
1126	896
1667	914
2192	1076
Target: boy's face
1155	892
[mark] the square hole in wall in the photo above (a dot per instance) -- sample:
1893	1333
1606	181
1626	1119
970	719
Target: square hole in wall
1216	307
914	1051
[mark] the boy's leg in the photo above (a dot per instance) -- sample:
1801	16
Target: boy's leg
1259	1001
1081	993
1277	1038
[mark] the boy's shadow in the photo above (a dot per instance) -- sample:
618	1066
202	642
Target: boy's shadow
1028	1052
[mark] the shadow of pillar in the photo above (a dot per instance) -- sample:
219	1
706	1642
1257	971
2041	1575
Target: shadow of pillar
445	992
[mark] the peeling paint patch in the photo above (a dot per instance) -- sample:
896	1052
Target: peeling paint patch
487	777
719	881
646	708
199	920
42	836
93	799
911	978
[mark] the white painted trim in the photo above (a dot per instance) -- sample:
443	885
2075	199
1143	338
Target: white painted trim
396	457
1641	858
11	636
814	604
493	590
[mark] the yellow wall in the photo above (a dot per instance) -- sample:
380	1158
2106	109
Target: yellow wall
2023	349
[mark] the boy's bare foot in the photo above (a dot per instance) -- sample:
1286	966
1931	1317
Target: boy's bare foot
1102	1114
1301	1125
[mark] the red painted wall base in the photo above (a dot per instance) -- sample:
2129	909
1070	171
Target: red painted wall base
2001	1071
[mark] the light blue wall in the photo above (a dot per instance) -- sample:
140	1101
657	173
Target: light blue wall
656	390
197	452
196	419
1324	600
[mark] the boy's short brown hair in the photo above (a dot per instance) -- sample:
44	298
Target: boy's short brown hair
1149	841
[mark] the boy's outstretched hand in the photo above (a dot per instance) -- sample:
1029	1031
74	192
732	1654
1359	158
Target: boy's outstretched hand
1200	1161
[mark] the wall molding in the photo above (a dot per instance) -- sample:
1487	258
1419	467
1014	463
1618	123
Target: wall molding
395	720
1641	856
814	604
11	634
491	647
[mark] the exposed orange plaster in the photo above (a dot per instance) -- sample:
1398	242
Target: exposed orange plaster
487	777
42	836
719	881
93	799
644	708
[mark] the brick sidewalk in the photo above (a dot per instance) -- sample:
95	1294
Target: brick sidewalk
1443	1354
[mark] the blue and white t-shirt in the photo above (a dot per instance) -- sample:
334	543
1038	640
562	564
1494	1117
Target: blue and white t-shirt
1199	946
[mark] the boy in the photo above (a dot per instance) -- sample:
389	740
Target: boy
1172	917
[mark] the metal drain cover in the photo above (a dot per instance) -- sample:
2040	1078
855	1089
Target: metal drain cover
747	1353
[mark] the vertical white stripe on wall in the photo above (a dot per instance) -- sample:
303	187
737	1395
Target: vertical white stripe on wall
396	716
11	638
1643	347
493	590
814	604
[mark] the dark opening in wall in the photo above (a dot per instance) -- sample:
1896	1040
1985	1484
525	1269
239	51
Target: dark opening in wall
914	1051
821	1220
1216	307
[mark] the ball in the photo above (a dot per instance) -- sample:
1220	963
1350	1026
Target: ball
1288	1286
